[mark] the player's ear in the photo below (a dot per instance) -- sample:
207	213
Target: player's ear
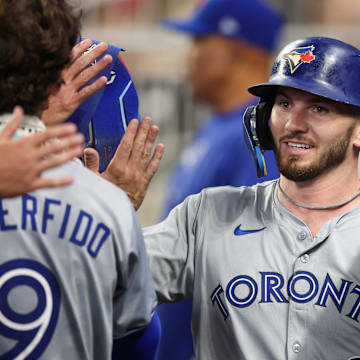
356	132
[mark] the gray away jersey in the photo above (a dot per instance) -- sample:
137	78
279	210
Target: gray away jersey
262	286
73	270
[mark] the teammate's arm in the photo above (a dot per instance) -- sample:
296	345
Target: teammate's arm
141	345
75	88
135	161
22	161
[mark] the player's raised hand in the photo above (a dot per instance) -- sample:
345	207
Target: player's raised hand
23	160
135	161
75	88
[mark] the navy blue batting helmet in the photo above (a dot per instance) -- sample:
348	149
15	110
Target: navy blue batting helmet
322	66
104	116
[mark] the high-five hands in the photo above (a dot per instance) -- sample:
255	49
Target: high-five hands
134	163
75	88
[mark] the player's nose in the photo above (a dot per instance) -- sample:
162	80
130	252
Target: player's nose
295	121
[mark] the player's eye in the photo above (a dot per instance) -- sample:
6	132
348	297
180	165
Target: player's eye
319	109
283	104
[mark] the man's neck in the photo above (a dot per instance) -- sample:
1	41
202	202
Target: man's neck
327	191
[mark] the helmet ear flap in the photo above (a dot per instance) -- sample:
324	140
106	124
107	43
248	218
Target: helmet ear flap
257	133
263	132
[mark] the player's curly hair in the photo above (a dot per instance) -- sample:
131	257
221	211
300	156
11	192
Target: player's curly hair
36	38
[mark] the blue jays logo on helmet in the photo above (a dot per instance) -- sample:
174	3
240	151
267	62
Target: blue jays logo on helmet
322	66
299	56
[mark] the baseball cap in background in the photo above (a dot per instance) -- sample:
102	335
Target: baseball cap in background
254	21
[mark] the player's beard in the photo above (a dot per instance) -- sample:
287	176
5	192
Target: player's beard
328	159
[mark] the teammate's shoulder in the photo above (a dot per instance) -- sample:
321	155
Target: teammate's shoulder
86	181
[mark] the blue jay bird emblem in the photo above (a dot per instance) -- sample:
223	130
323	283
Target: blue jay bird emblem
300	56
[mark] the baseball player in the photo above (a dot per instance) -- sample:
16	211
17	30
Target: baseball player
74	276
232	45
28	157
273	269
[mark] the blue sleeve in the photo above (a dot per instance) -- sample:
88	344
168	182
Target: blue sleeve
142	345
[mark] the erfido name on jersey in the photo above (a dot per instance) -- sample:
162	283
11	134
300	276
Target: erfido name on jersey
78	226
271	290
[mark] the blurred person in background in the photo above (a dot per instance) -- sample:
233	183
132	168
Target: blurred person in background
232	46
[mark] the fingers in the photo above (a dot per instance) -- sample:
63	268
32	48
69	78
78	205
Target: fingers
124	149
137	143
59	158
91	89
92	160
80	73
15	121
150	141
83	61
154	162
52	132
140	140
28	157
80	48
62	145
40	182
61	139
92	71
132	166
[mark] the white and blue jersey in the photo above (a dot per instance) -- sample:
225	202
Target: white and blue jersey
74	274
262	286
216	156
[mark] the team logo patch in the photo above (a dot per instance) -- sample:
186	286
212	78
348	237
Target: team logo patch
299	56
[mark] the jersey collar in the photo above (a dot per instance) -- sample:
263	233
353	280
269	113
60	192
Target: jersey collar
30	125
